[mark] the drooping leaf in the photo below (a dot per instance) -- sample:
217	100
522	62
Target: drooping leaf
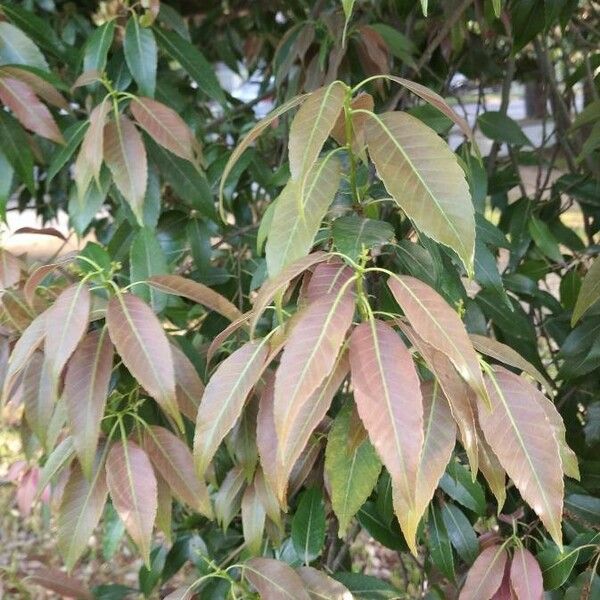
80	510
60	583
439	543
189	387
125	155
28	109
486	574
491	469
352	467
589	293
146	261
253	519
458	483
321	586
142	344
440	206
165	126
164	508
298	214
526	575
438	325
308	525
311	127
17	49
388	398
309	357
16	149
274	580
198	292
523	440
228	499
37	82
224	399
85	393
66	323
57	460
39	394
133	490
174	462
438	444
460	532
141	55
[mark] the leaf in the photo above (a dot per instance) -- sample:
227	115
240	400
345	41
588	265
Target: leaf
17	49
438	325
308	525
491	469
174	462
91	153
501	128
367	587
229	497
556	565
503	353
25	105
165	127
298	214
133	490
147	260
497	5
439	544
526	575
224	399
388	398
125	156
459	485
85	392
97	46
352	469
309	357
460	532
322	587
141	55
352	234
66	323
311	127
521	437
363	102
584	508
438	444
198	292
274	580
253	519
60	583
192	60
143	346
80	510
485	576
189	387
16	149
57	460
279	283
589	293
439	206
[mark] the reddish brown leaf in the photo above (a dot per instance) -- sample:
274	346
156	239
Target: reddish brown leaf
522	438
267	497
165	126
85	393
321	586
173	460
66	323
133	490
308	357
274	580
198	292
125	155
40	86
34	280
86	78
491	469
10	269
266	436
39	395
486	574
27	108
389	402
189	387
220	338
50	231
80	510
438	325
328	278
224	399
61	583
363	101
526	576
142	344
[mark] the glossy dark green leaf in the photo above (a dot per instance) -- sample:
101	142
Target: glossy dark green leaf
556	565
352	234
147	259
149	578
16	149
83	210
386	533
367	587
501	128
17	48
544	240
141	54
73	136
460	532
439	543
97	46
308	525
487	274
458	484
583	508
528	18
585	587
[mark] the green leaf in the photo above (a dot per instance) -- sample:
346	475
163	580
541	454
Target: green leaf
141	55
147	259
487	274
353	233
308	525
544	240
501	128
83	210
73	135
386	533
585	508
439	544
440	207
16	149
528	18
351	465
192	60
367	587
590	292
17	49
497	4
459	485
460	532
6	180
97	46
556	565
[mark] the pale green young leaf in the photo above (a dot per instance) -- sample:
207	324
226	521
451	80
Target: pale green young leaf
141	55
